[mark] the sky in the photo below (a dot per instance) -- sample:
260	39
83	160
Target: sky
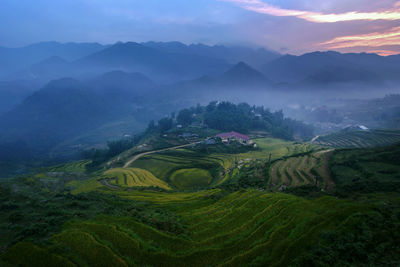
285	26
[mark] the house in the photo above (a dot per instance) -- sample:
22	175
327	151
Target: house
234	136
189	135
210	142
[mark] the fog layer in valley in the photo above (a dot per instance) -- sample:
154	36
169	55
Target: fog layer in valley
57	100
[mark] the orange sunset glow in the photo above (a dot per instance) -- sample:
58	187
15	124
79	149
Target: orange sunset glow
374	39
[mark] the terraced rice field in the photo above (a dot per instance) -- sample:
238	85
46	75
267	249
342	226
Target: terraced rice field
78	166
191	178
246	228
359	139
311	169
220	166
132	177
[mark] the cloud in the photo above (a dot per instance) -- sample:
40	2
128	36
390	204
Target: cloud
318	17
376	39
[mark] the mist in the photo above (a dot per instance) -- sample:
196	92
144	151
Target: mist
66	98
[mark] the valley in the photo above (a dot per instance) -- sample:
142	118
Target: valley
172	154
186	207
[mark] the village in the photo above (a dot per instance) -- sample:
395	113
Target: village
225	138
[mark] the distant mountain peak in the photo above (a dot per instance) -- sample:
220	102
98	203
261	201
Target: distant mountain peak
53	60
118	76
63	83
243	74
243	71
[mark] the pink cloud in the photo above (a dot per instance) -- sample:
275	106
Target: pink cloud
318	17
376	39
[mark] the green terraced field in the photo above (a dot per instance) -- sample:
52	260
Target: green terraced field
222	166
163	165
180	169
359	139
248	228
78	166
191	179
367	170
218	227
132	177
311	169
84	186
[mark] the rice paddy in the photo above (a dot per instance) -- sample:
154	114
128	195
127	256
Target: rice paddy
220	166
359	139
249	228
244	227
191	179
310	169
133	177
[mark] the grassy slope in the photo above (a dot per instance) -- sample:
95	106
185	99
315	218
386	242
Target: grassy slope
164	165
242	228
359	139
191	178
132	177
367	170
246	227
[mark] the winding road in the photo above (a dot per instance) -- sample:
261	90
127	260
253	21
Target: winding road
155	151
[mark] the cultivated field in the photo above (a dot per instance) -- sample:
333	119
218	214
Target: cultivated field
191	178
220	167
236	230
218	227
310	169
359	139
132	177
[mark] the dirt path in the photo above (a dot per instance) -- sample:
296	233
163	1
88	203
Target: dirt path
324	170
105	183
154	151
315	138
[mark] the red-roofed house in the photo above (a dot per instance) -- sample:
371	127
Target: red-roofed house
226	137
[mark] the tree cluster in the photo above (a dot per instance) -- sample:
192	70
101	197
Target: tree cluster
226	116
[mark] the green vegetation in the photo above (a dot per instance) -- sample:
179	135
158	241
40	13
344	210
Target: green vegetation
191	179
114	148
215	205
220	161
164	165
310	169
132	177
359	139
236	229
29	211
226	116
367	170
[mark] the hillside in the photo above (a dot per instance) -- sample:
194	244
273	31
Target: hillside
253	57
80	113
22	58
62	109
367	170
350	138
353	67
163	66
243	74
12	93
124	225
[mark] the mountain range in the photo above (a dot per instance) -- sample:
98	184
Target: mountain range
313	66
21	58
61	93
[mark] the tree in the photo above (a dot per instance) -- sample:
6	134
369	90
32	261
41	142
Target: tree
199	109
185	117
119	146
165	124
151	126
